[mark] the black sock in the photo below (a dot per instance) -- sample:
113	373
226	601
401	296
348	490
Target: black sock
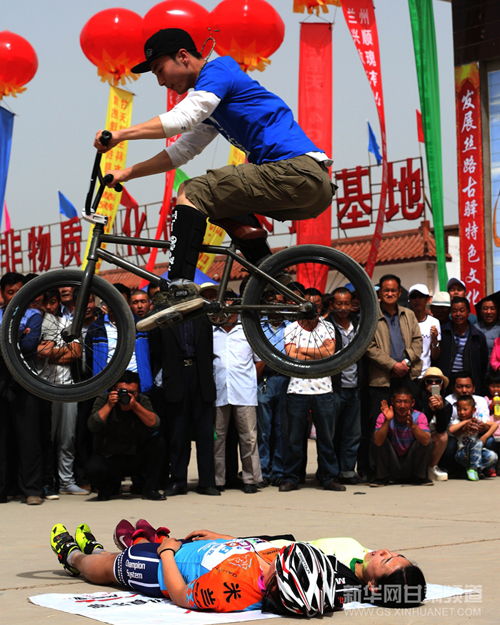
188	230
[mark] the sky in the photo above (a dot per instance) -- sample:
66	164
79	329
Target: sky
65	103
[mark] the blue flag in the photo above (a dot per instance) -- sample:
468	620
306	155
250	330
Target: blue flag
373	145
6	126
66	207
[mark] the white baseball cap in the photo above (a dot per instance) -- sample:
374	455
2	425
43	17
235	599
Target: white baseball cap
453	281
420	288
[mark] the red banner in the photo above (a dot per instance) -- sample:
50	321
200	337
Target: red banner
360	19
470	181
172	99
315	118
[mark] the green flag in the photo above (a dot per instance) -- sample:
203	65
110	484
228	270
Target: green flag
424	43
180	177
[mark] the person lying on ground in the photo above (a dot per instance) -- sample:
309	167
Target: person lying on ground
211	571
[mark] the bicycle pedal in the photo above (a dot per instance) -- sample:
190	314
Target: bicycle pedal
169	319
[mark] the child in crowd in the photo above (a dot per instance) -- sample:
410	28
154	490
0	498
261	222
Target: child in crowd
493	382
471	452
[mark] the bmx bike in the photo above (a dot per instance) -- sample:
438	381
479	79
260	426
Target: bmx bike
266	299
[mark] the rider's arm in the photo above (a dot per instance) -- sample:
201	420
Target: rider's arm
196	107
152	129
191	143
156	165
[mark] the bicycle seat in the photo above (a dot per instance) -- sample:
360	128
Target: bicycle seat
243	232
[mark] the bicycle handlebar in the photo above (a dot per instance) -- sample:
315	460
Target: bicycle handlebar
91	207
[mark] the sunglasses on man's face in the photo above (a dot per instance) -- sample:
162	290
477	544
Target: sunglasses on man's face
434	381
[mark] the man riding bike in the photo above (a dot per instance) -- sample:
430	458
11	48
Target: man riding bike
286	176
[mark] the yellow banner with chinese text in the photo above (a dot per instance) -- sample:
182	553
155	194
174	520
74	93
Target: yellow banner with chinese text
118	116
214	235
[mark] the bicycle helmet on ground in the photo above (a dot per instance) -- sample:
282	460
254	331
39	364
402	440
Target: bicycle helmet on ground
306	579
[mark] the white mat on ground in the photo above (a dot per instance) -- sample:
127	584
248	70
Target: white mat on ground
127	608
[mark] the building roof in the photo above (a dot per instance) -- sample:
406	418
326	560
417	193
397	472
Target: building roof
403	246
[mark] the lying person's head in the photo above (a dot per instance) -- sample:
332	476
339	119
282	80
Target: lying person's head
392	580
388	579
300	581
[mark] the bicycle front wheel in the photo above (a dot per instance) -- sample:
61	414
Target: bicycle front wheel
322	268
49	366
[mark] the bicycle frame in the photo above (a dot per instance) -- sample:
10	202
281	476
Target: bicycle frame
71	332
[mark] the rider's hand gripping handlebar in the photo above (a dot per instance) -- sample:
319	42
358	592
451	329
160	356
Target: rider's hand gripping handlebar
91	202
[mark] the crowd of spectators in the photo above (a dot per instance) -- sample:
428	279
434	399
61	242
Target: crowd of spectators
421	405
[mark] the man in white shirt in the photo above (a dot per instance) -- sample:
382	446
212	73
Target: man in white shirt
419	297
236	381
310	339
462	384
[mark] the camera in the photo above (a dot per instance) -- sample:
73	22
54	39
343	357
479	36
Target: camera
123	396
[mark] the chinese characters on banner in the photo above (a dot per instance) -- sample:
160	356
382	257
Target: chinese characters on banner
360	18
405	195
35	249
118	116
470	181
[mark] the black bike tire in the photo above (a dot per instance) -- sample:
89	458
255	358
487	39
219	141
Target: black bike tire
76	391
353	272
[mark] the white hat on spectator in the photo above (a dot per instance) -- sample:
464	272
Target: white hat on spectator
453	281
441	298
208	285
419	288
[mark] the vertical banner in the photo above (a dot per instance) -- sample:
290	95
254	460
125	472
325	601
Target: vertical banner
6	127
119	116
470	181
360	18
214	235
315	118
172	100
424	43
493	109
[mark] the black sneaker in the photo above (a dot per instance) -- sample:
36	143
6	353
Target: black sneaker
86	540
50	493
179	298
384	481
63	544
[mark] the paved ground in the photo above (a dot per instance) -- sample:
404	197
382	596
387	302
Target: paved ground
452	530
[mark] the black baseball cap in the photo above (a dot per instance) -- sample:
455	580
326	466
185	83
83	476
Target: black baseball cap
165	41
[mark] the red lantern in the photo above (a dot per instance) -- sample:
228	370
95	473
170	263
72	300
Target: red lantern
249	31
18	63
185	14
112	40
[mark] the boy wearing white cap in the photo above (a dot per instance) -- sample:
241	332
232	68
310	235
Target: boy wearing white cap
419	297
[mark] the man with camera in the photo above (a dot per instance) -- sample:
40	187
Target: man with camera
126	440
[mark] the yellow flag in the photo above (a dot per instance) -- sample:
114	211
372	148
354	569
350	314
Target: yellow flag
119	116
213	234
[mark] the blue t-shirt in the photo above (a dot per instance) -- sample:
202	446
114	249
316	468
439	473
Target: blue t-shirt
251	118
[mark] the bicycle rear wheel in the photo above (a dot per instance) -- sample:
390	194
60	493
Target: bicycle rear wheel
87	370
325	269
